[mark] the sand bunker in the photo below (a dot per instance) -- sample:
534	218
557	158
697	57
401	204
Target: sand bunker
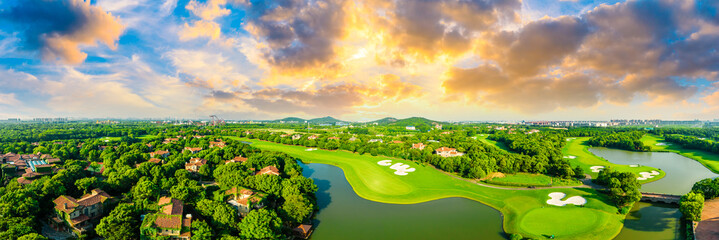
596	168
311	149
570	139
663	144
635	165
570	157
647	175
555	199
400	168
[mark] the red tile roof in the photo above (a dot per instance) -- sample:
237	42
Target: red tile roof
170	206
269	170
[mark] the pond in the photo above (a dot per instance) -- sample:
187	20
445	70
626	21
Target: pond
681	172
345	215
656	221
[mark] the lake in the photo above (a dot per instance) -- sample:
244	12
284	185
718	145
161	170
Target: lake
656	221
681	172
345	215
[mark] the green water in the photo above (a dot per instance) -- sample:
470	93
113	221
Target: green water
682	172
652	221
344	215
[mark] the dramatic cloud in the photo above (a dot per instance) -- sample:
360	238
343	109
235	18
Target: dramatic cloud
58	28
612	53
200	28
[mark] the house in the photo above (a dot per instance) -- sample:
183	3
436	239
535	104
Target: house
149	146
268	170
397	141
160	153
448	152
79	215
244	199
313	137
419	146
438	126
169	222
296	137
446	132
195	164
352	139
170	140
219	144
375	140
31	166
333	138
238	159
410	128
193	150
303	231
155	160
532	131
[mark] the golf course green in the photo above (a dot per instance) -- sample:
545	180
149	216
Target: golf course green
577	148
525	211
657	144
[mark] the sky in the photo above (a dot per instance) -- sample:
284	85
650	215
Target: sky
359	60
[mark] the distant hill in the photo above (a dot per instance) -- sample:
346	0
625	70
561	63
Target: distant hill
384	121
324	120
415	121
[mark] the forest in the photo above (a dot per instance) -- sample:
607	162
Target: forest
138	184
630	140
693	142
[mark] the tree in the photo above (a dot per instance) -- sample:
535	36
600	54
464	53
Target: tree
32	236
201	231
708	187
691	206
261	224
86	184
122	223
297	208
145	190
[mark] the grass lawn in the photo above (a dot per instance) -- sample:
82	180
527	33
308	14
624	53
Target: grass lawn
147	136
576	147
379	183
708	159
483	138
111	139
529	179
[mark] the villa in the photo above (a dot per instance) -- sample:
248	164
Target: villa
333	138
32	166
448	152
79	215
155	160
410	128
160	153
170	140
268	170
219	144
195	164
193	150
303	231
296	137
238	159
170	222
244	199
419	146
438	126
313	137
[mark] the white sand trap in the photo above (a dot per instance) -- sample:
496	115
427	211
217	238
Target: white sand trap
663	144
311	149
570	139
555	199
596	168
570	157
647	175
400	168
635	165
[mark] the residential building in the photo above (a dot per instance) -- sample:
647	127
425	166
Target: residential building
244	199
296	137
419	146
448	152
238	159
170	140
155	160
219	144
397	141
193	150
160	153
268	170
79	215
303	231
410	128
169	222
195	164
438	126
31	166
313	137
352	139
333	138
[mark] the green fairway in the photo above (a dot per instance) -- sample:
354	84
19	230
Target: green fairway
708	159
528	179
553	220
111	139
576	147
483	138
375	182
